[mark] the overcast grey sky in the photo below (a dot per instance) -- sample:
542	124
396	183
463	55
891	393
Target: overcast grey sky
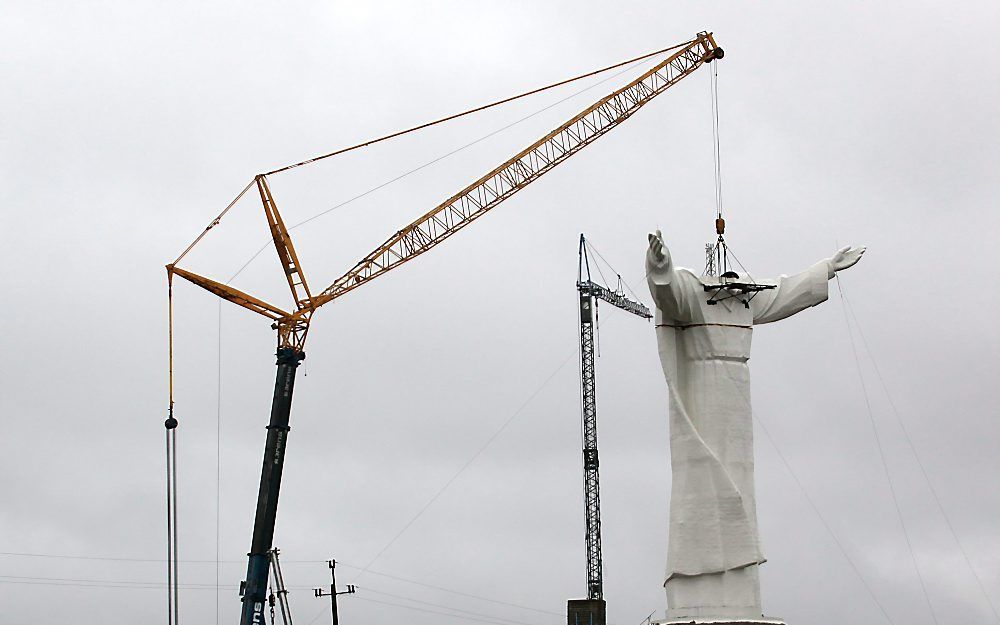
127	126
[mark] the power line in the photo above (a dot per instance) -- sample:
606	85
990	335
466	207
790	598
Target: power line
284	562
438	605
416	609
455	592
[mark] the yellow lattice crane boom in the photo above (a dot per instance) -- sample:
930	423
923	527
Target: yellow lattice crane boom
430	229
467	205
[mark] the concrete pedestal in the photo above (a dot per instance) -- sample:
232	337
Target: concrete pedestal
586	612
722	620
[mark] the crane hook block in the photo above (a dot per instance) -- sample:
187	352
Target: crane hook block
717	53
720	226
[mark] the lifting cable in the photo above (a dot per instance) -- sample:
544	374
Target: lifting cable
716	147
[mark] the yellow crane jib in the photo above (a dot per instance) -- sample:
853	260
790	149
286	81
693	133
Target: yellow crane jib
462	208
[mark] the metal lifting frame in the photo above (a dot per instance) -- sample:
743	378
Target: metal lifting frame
590	292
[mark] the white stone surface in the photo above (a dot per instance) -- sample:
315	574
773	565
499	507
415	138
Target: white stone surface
714	548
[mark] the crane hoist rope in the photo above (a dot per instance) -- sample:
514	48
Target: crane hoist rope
418	237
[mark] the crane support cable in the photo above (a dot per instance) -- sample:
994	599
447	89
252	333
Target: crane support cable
213	223
422	126
916	456
522	169
884	462
477	109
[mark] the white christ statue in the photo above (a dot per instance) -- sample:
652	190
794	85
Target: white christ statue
703	331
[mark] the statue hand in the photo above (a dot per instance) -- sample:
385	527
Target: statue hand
658	256
846	257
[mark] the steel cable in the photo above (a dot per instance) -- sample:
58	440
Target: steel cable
477	109
916	456
885	464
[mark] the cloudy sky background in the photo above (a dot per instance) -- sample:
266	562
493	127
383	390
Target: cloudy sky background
127	126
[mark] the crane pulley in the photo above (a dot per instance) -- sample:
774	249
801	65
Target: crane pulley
414	239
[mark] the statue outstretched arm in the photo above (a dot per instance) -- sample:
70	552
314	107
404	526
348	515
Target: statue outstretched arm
845	258
657	256
668	287
802	290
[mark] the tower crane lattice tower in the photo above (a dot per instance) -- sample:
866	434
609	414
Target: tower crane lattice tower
590	293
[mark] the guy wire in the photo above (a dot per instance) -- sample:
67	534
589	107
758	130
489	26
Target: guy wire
885	464
916	456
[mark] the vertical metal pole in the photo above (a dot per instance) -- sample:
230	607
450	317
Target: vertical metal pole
255	591
280	590
333	591
591	481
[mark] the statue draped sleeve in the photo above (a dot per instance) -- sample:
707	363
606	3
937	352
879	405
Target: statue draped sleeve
793	294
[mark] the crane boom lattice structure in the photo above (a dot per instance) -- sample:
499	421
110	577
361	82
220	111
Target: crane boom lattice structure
590	292
432	228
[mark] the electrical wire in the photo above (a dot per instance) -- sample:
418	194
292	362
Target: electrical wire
285	562
454	592
410	607
446	607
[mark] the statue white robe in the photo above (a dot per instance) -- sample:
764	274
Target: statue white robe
714	548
